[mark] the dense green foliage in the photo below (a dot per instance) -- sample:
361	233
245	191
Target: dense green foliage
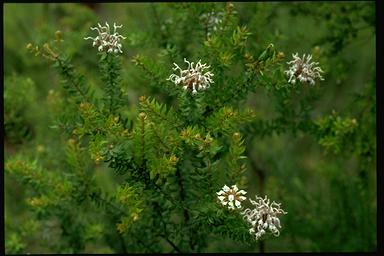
103	154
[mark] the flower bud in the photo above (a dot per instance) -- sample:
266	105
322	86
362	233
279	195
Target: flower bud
58	35
29	46
280	55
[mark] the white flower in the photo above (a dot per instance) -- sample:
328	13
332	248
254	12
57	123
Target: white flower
106	41
303	70
263	217
231	196
212	21
192	78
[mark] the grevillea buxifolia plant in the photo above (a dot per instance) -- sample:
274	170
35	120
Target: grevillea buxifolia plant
264	216
151	169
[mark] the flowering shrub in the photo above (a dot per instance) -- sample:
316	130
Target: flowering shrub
124	149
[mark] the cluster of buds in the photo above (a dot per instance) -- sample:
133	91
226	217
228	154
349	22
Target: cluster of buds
106	41
263	217
45	51
192	78
303	70
232	197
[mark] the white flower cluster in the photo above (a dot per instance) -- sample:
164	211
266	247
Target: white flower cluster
105	40
303	70
212	21
263	217
192	78
231	196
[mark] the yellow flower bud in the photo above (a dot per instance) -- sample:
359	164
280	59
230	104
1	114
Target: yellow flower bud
72	141
280	55
58	35
29	46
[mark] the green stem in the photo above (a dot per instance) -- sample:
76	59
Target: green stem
185	211
69	76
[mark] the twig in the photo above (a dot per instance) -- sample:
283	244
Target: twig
185	211
156	206
70	79
172	244
121	212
